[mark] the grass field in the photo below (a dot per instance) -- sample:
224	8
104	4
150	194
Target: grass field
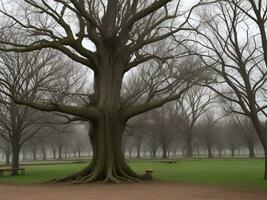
237	173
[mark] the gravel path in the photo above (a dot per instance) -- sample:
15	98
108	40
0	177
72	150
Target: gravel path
142	191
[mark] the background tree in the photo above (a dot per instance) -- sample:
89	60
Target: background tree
236	55
60	138
22	73
207	131
137	131
5	147
249	136
193	104
153	145
161	128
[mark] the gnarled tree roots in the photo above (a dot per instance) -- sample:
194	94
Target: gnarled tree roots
93	174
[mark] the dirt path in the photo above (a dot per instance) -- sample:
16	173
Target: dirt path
142	191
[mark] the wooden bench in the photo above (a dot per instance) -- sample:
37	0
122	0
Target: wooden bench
11	171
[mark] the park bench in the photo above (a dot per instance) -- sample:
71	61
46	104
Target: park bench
11	171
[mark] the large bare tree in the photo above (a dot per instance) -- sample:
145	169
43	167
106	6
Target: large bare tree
111	38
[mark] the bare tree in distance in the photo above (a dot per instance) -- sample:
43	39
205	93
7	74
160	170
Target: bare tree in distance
162	125
236	54
5	147
244	125
136	129
22	73
193	104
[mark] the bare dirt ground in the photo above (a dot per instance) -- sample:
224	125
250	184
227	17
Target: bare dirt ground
142	191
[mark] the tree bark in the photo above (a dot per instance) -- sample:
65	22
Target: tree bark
15	159
108	163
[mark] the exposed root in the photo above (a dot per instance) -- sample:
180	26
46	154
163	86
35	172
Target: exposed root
130	178
111	179
73	177
83	179
92	174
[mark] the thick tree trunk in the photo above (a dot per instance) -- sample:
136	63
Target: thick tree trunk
108	163
15	159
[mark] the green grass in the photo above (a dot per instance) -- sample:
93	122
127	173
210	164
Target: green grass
237	173
42	173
